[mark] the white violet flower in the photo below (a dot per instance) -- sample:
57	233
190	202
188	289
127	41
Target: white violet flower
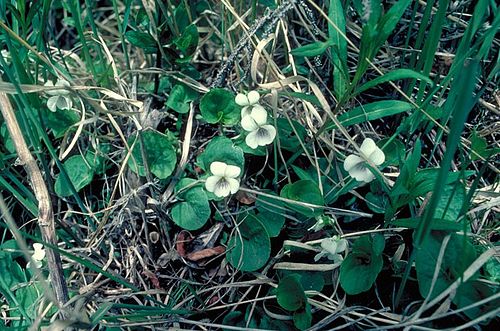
223	180
38	255
249	102
357	166
331	248
261	134
59	99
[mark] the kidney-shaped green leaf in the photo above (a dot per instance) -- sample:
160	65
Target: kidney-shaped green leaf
304	191
221	149
79	173
250	247
361	267
193	211
160	153
290	294
218	106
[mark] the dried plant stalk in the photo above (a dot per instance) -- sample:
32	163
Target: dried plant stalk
45	212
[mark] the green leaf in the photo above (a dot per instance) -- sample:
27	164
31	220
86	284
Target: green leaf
372	111
221	149
339	56
142	40
376	202
289	138
394	151
302	318
304	191
61	121
218	106
392	76
27	296
188	41
472	292
161	156
194	210
271	214
378	244
451	202
313	49
368	10
310	280
407	172
6	139
478	145
79	173
290	294
361	267
458	256
181	16
492	268
389	21
250	247
179	99
437	224
96	159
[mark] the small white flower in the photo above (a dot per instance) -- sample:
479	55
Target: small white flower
249	102
331	248
38	255
357	166
223	180
59	99
261	134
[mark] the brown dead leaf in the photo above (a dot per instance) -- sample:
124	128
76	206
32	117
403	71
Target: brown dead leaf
205	253
152	277
183	238
245	198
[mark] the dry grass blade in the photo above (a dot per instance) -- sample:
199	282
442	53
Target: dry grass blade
45	212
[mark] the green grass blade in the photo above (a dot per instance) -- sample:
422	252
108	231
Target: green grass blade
339	55
372	111
426	59
392	76
465	100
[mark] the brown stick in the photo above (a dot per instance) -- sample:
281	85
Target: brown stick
45	213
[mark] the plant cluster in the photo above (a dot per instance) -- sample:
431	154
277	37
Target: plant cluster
281	165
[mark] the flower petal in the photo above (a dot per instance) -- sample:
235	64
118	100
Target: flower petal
253	97
329	245
377	156
368	146
362	174
319	256
37	246
218	168
352	161
266	134
249	124
39	253
241	99
222	188
232	171
251	140
259	114
341	245
246	111
234	185
211	183
52	103
62	83
64	102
